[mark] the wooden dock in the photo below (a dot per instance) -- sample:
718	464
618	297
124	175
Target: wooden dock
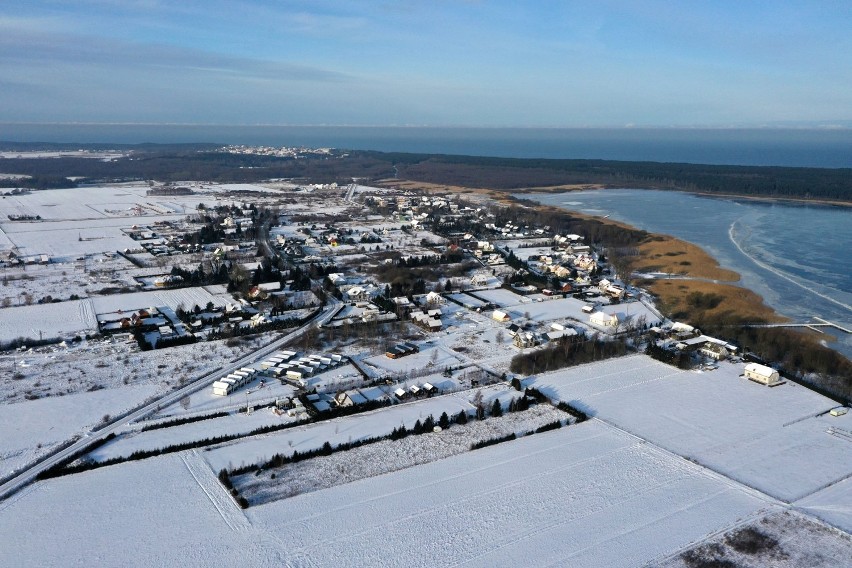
820	322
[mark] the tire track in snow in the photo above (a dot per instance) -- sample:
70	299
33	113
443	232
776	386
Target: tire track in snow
225	505
87	314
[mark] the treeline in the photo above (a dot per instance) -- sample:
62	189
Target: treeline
175	163
41	181
185	420
567	352
426	426
179	165
515	174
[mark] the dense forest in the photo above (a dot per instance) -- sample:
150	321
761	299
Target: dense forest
515	174
201	162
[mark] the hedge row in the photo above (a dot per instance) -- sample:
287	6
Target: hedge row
185	420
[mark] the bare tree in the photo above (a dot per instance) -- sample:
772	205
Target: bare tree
185	402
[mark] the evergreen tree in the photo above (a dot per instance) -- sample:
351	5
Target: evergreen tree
496	409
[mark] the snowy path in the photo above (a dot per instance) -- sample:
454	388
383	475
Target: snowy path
215	491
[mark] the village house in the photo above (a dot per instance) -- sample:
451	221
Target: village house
603	319
349	398
525	340
500	315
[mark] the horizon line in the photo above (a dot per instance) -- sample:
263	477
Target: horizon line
829	126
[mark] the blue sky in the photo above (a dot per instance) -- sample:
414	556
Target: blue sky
437	63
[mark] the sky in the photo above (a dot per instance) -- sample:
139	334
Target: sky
428	63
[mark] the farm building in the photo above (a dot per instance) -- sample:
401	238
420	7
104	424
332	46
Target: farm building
762	374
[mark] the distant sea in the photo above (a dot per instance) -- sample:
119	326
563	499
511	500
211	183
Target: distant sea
825	148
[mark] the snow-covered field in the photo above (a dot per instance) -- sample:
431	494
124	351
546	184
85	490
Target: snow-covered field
154	513
187	297
31	428
63	319
580	496
587	495
768	438
833	505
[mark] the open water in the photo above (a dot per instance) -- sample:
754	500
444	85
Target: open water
798	257
824	148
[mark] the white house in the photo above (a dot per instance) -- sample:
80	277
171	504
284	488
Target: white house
604	320
762	374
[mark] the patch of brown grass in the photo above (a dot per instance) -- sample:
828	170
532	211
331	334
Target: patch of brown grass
737	301
668	254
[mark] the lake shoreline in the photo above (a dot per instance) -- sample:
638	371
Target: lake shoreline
800	201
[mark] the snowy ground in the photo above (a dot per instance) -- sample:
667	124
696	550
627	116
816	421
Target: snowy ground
32	428
767	438
56	371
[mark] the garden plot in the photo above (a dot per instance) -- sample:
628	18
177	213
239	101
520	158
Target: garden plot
586	495
767	438
62	319
387	456
428	357
339	430
29	429
62	280
335	380
502	297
